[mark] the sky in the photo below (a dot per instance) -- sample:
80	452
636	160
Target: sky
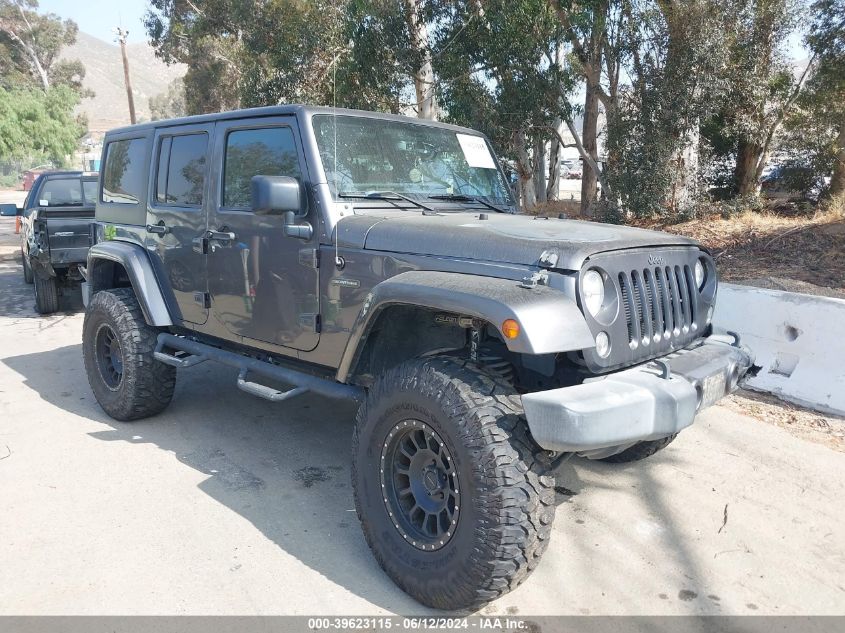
99	18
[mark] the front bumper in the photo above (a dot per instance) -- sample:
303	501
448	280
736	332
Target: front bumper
605	416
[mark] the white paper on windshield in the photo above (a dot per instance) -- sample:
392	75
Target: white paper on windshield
476	151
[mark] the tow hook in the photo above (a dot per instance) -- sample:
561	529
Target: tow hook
735	336
666	371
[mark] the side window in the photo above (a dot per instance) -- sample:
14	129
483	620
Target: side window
89	190
64	192
123	172
258	152
180	178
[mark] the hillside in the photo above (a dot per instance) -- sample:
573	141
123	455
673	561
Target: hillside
104	75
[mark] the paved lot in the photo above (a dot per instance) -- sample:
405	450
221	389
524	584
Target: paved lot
228	504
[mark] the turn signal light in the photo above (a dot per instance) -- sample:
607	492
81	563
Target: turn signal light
510	328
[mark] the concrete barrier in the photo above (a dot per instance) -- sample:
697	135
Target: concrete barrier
799	341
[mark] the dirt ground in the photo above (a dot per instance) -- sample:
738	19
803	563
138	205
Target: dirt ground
795	253
828	430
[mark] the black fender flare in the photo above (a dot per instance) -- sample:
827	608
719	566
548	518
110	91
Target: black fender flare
549	320
136	262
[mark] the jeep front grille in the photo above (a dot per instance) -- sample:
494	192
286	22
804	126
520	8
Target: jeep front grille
658	303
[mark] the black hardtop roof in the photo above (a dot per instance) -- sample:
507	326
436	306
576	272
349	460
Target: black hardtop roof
298	110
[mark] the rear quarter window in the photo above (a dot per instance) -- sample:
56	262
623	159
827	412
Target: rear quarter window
124	171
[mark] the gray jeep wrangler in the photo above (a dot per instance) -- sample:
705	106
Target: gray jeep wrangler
382	259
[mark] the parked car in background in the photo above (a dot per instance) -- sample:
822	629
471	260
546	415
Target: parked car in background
573	169
792	181
55	233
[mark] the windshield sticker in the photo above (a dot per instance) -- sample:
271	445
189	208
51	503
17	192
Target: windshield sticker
476	152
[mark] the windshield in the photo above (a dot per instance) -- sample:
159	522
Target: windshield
362	154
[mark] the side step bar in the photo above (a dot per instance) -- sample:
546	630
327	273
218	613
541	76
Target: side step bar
199	352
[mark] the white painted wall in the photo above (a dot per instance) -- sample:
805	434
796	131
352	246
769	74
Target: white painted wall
799	341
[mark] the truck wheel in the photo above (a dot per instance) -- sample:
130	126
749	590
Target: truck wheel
46	295
639	451
117	348
450	489
27	270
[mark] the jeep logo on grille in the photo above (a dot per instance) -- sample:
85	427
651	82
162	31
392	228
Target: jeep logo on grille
656	260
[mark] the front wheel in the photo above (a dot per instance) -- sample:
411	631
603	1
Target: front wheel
117	348
450	489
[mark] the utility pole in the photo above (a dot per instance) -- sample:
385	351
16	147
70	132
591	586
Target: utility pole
122	34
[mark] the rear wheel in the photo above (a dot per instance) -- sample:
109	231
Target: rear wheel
46	295
117	348
639	451
451	490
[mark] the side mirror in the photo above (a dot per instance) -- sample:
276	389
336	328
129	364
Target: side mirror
10	210
276	195
281	195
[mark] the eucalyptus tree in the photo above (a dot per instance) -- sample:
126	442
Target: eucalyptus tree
500	72
30	47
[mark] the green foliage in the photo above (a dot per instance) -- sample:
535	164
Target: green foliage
676	59
37	125
30	46
170	104
814	132
235	60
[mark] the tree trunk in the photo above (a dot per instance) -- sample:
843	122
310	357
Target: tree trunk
539	164
837	181
745	173
555	152
527	194
589	138
424	75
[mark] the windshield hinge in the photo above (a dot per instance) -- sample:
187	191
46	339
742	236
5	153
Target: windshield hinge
309	257
548	259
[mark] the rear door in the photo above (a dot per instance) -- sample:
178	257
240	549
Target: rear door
263	284
177	214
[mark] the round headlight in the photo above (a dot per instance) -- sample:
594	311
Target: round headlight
592	287
700	274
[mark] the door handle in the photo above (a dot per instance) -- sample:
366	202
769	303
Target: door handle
158	229
220	236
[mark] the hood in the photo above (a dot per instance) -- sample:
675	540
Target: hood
511	239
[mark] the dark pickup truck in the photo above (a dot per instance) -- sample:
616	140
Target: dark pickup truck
55	234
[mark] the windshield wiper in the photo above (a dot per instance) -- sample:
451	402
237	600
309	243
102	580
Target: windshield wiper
462	197
389	196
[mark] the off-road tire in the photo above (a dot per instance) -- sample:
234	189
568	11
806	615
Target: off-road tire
27	269
508	506
639	451
46	295
145	385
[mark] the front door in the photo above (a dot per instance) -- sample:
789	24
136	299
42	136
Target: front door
177	214
263	284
